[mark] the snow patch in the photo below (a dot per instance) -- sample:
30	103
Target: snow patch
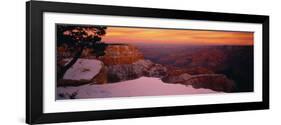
143	86
83	69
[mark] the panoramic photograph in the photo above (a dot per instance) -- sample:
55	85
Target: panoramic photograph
97	61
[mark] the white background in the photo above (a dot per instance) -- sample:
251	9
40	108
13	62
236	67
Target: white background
12	64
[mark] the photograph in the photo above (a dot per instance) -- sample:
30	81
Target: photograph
89	61
100	61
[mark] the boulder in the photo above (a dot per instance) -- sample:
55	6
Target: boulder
101	77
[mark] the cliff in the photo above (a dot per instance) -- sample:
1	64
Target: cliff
121	54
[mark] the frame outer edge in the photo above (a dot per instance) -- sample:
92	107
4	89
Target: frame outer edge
27	104
34	61
266	59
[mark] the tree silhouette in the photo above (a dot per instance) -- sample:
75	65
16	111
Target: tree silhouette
77	38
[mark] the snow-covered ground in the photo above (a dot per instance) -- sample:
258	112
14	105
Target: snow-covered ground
143	86
83	69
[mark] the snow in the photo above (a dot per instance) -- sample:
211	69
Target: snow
143	86
83	69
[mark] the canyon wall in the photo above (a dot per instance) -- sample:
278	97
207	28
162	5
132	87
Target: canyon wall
121	54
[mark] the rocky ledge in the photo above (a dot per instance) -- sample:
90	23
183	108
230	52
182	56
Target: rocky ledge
122	72
216	82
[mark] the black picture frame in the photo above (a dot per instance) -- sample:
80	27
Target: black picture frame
34	62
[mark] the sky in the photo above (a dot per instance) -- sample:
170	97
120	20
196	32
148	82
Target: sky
175	36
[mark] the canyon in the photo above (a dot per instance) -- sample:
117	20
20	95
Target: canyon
123	62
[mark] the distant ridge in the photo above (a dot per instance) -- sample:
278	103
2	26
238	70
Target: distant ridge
116	43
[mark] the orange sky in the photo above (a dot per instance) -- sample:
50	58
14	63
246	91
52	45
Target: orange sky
172	36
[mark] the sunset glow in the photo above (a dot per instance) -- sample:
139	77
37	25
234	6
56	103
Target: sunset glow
174	36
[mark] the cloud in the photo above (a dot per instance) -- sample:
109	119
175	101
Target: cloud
176	36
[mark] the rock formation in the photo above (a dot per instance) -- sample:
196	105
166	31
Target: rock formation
216	82
121	54
135	70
